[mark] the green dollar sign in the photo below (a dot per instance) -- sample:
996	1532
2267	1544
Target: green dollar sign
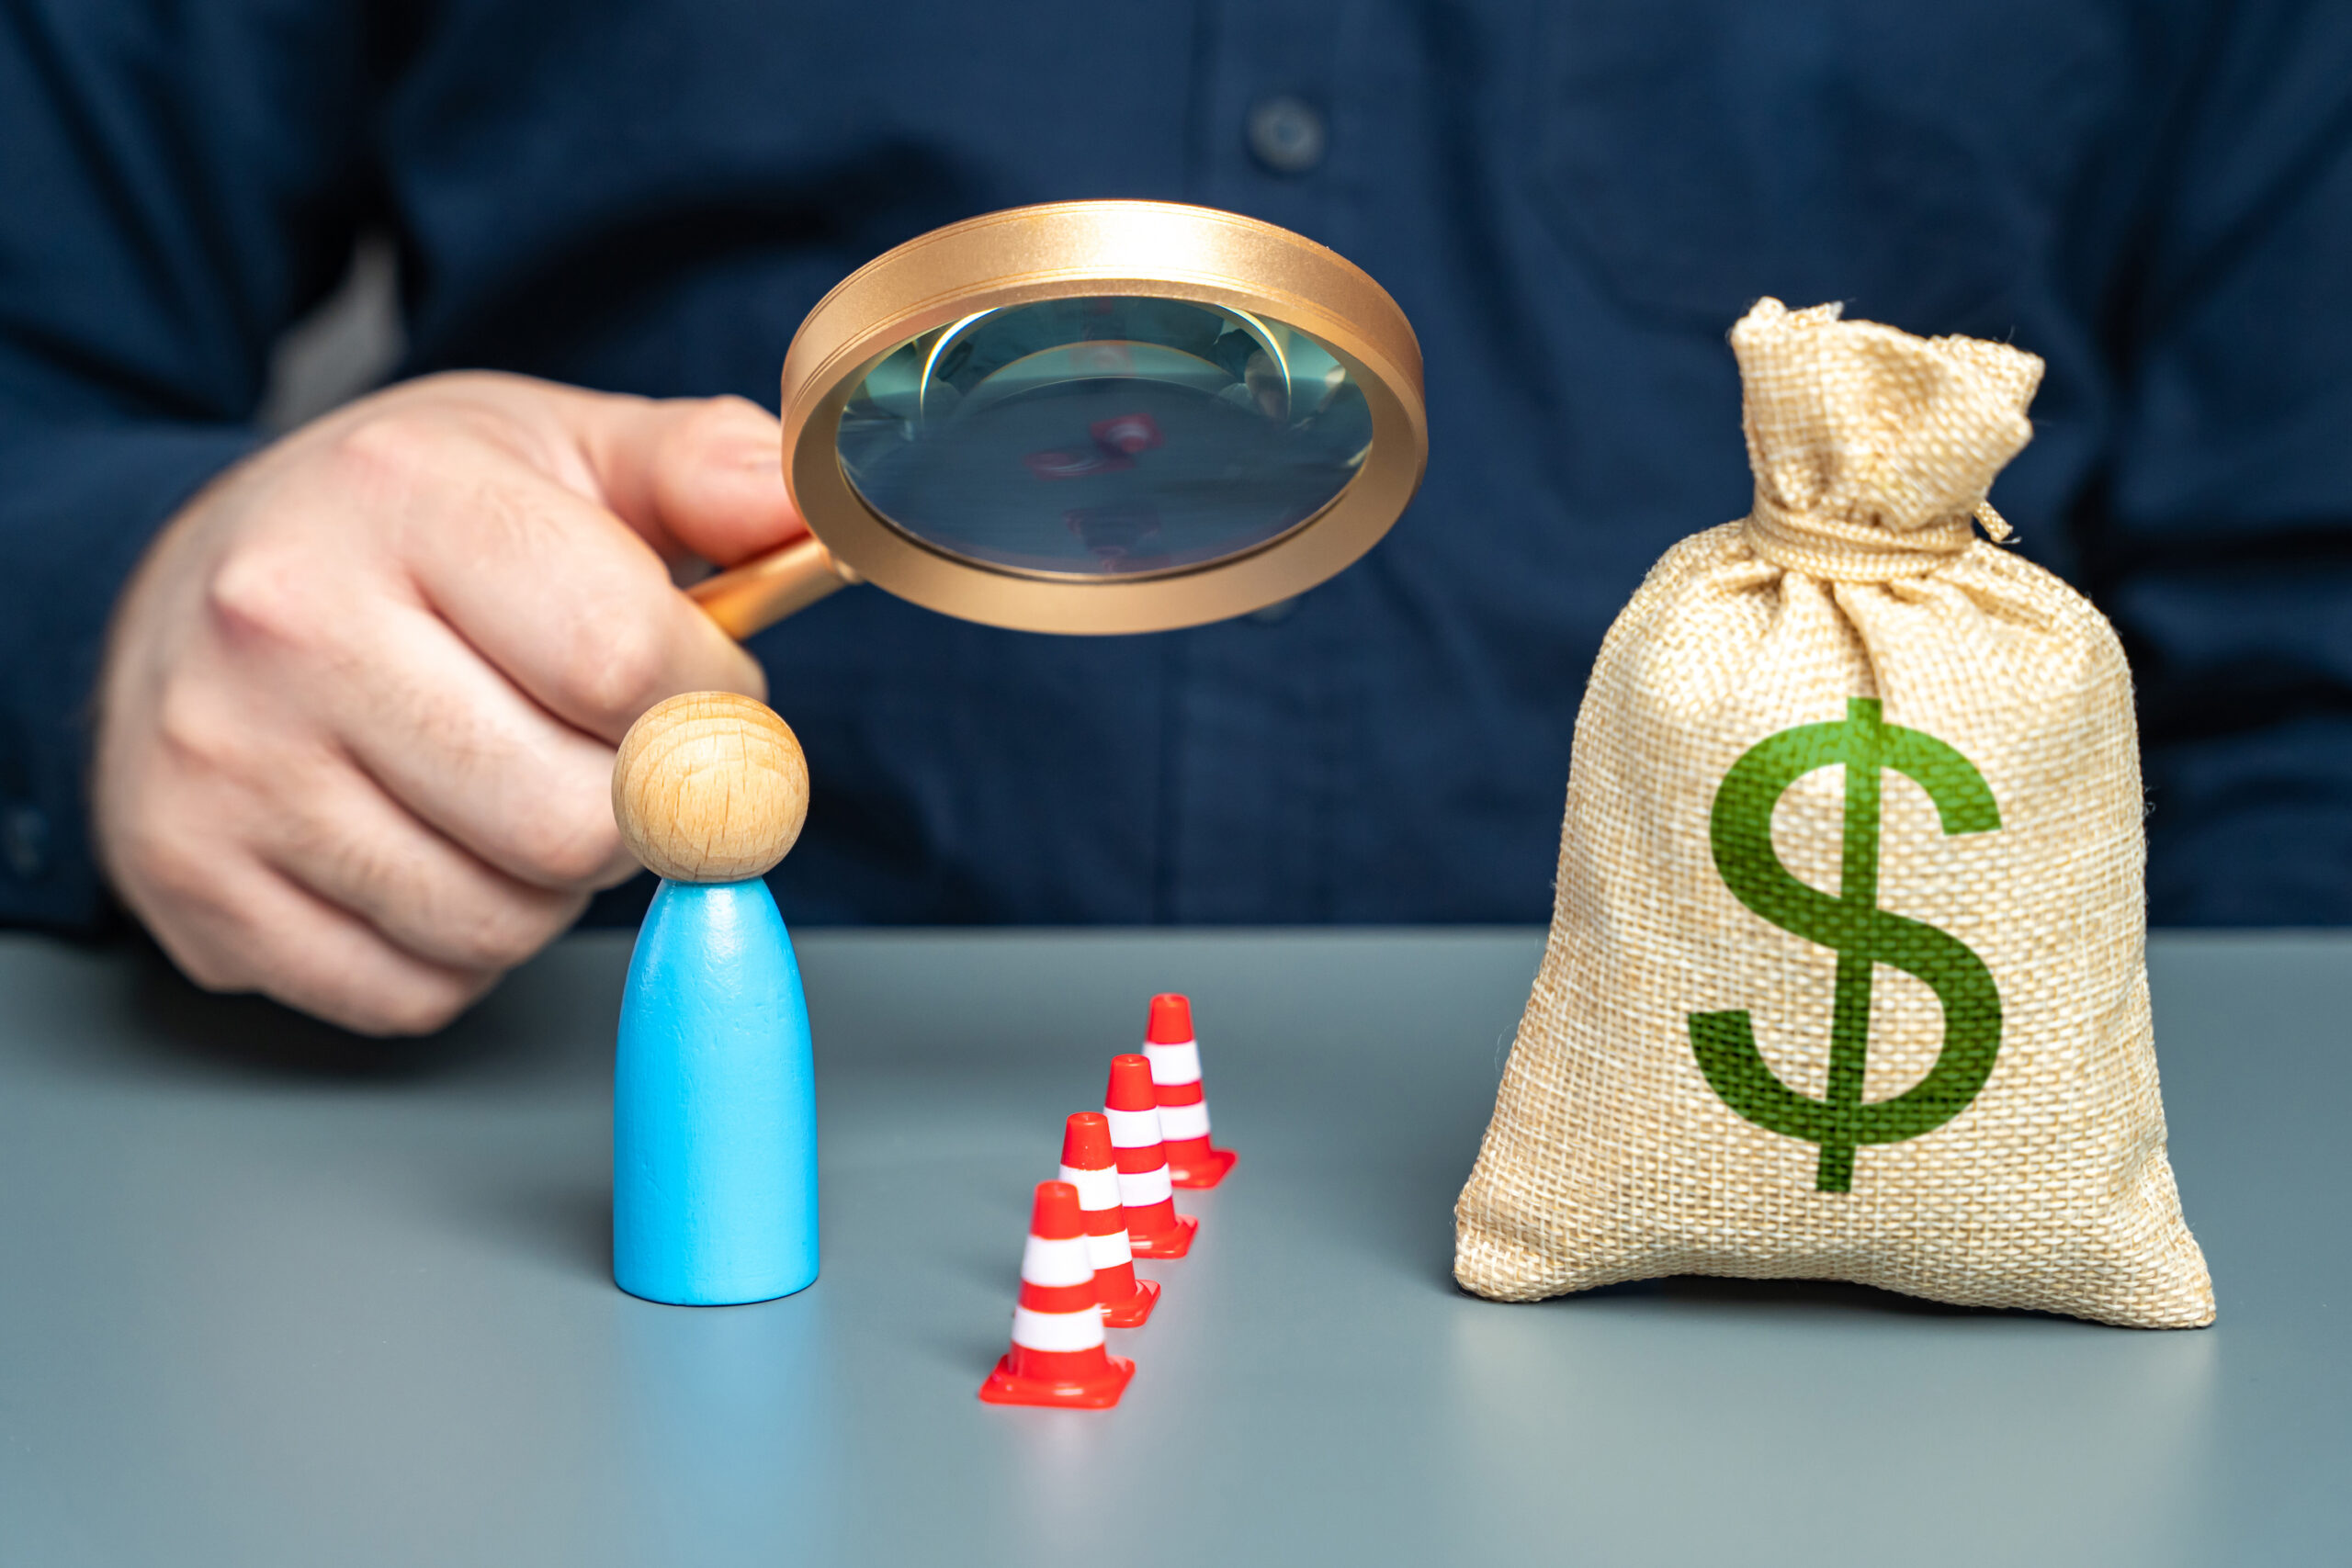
1862	935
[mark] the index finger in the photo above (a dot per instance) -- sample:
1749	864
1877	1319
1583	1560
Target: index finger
561	594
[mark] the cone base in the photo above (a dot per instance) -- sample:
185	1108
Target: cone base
1006	1386
1196	1168
1135	1310
1166	1244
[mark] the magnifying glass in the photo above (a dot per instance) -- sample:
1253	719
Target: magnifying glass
1091	417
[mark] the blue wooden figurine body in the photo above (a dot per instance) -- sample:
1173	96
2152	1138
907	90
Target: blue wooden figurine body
714	1104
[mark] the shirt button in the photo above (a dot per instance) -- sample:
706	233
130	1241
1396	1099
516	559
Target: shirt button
1286	135
24	842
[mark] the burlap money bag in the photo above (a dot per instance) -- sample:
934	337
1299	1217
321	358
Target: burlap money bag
1845	978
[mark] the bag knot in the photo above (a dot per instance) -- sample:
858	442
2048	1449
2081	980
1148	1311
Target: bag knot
1874	449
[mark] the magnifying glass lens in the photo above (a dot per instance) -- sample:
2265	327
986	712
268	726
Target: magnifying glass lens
1109	436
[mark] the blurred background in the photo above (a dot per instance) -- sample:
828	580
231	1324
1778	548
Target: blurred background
221	225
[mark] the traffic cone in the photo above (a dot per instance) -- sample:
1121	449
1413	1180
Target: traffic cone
1057	1356
1154	1227
1175	1060
1088	1165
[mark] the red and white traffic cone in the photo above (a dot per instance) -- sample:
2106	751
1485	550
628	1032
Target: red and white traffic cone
1089	1165
1175	1060
1154	1227
1057	1356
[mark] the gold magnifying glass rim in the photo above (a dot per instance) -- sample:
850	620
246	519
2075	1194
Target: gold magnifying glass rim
1078	249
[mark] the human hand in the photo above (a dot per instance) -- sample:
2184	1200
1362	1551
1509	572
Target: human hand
357	717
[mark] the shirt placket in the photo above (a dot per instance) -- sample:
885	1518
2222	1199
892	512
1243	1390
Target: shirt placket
1251	703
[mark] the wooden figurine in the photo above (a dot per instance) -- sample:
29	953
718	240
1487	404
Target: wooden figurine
714	1104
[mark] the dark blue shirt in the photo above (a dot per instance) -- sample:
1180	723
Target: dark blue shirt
1572	200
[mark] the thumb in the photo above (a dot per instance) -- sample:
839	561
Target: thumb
696	476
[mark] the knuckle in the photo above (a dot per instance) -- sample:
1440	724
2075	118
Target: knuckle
196	734
719	420
180	904
263	596
620	668
496	938
388	454
167	866
418	901
168	872
569	849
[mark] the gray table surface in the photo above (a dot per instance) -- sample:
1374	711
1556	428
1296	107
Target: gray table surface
271	1296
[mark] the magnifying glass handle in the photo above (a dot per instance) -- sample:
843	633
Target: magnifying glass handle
757	594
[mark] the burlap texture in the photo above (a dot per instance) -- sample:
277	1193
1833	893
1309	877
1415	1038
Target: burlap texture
1611	1156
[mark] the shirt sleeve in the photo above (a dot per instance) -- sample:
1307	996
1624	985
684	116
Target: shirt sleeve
180	182
2223	549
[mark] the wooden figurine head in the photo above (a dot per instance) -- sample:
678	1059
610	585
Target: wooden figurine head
710	788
